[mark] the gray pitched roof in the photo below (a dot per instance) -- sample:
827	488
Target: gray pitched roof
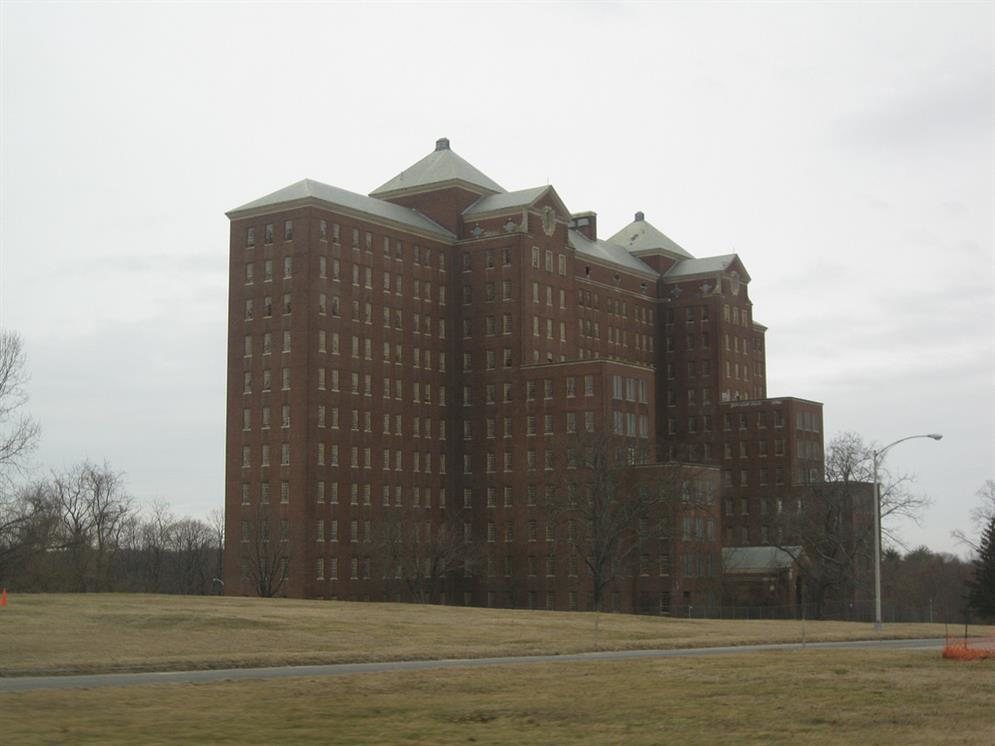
640	235
757	559
440	166
505	201
705	266
310	189
608	252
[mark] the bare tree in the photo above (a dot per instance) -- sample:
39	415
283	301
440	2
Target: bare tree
981	515
25	532
607	498
112	513
74	533
94	515
216	520
154	542
265	552
193	553
828	528
421	555
923	586
18	432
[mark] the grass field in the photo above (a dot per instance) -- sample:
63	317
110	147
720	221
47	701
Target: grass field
844	696
130	632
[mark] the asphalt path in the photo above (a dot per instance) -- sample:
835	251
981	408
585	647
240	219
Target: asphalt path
90	681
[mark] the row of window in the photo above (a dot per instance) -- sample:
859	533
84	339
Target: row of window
767	534
362	347
762	420
697	528
743	451
736	315
267	380
330	305
491	293
763	475
547	386
538	325
589	299
490	259
695	565
419	496
362	458
561	265
420	255
693	396
691	342
266	310
265	456
362	276
267	346
767	505
624	423
421	391
265	419
264	493
268	233
740	346
267	265
629	389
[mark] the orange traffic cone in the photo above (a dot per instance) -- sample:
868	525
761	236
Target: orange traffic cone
3	597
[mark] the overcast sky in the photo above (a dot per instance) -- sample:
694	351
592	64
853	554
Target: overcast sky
844	151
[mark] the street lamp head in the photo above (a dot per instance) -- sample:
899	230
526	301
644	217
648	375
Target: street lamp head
935	436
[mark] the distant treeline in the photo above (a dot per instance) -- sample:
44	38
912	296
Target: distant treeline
79	531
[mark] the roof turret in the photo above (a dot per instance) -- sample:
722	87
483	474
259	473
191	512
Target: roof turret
640	237
440	168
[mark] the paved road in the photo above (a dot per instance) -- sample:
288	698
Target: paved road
26	683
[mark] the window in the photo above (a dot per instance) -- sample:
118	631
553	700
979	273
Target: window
288	230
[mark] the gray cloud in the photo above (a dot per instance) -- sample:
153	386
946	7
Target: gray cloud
844	151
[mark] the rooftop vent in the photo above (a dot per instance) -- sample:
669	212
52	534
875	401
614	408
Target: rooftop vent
442	143
640	217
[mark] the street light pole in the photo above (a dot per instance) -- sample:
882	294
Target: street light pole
877	454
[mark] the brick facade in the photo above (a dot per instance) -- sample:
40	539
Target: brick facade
440	367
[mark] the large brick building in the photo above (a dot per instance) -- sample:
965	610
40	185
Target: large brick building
430	360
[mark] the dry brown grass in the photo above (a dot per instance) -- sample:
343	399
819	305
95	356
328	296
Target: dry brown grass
130	632
840	696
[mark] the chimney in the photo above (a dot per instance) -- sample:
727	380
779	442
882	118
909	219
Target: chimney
442	143
585	223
